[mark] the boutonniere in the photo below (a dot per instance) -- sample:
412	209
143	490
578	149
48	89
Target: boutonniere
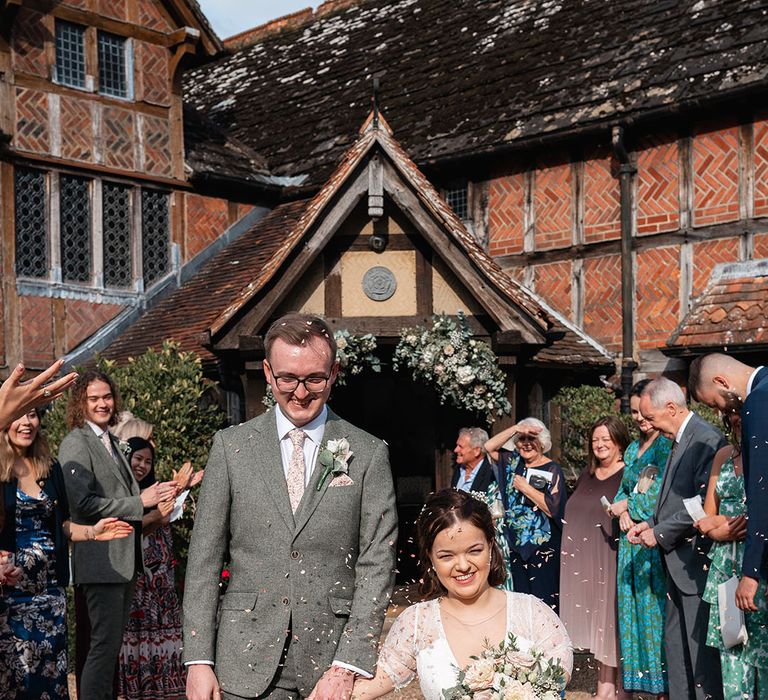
124	447
334	456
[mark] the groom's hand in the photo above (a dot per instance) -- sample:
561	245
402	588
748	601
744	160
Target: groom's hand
335	684
202	683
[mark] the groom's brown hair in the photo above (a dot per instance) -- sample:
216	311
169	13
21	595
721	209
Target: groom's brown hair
298	329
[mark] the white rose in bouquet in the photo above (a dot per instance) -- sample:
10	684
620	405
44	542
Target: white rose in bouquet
465	375
479	674
515	690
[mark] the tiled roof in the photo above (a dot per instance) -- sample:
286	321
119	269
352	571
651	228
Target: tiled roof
187	313
462	77
732	312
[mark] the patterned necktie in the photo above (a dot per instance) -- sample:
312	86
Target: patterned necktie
296	468
108	444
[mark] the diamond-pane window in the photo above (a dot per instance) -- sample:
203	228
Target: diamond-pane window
75	212
457	200
116	224
30	215
70	54
113	72
155	234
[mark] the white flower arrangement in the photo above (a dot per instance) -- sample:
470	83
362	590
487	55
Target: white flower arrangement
462	369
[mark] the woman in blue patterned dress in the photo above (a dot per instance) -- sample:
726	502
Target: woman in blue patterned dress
35	528
532	490
744	667
642	586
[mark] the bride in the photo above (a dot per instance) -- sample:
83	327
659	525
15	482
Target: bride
436	638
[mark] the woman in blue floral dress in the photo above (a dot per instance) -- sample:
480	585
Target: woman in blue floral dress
642	586
534	503
744	667
35	528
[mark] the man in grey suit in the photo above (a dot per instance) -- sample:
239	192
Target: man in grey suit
100	484
303	503
693	667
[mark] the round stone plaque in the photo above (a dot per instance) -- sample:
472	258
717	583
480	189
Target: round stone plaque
379	284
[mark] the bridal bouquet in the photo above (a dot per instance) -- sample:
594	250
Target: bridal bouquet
509	672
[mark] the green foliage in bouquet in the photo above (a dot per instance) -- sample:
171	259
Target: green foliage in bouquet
464	371
167	389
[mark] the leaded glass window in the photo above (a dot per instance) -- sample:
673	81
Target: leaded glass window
458	201
113	73
75	212
70	54
116	225
154	231
30	213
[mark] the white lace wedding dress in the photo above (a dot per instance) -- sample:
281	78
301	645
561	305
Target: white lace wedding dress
416	644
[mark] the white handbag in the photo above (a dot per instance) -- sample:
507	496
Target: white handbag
732	627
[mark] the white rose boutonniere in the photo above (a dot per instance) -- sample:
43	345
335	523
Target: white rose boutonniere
124	447
334	457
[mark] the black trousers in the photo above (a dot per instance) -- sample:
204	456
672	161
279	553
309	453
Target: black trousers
539	575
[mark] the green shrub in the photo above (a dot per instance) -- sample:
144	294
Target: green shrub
167	389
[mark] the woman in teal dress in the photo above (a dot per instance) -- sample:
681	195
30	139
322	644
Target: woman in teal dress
642	586
744	667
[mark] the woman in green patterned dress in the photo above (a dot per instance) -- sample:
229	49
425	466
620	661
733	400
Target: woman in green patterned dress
642	586
744	667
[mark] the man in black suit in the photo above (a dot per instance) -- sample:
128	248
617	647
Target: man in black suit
728	385
695	667
473	470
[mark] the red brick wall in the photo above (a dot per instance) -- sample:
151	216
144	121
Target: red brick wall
151	16
152	79
82	319
157	146
553	283
32	133
602	299
119	138
505	215
553	203
761	246
207	219
37	331
657	285
716	177
761	167
28	43
658	200
601	201
76	129
118	9
707	254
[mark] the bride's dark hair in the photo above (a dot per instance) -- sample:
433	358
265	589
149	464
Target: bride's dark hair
442	510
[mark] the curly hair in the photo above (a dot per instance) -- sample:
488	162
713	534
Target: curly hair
76	406
442	510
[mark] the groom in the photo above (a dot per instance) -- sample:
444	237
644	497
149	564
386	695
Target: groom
307	529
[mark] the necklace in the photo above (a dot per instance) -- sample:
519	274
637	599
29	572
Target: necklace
479	622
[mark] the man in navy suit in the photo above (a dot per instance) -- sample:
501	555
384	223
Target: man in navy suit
728	385
473	470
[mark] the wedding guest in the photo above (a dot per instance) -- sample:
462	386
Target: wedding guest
744	667
35	528
642	584
532	489
589	555
99	482
150	658
684	553
465	613
473	470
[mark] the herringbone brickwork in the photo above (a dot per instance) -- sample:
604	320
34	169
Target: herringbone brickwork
243	209
114	8
553	206
32	132
83	4
151	16
602	299
716	177
658	188
157	146
553	284
76	129
119	138
82	319
505	214
657	294
516	273
37	331
761	246
761	167
153	73
207	219
602	217
707	254
28	42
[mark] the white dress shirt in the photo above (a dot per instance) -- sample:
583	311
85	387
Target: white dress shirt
683	426
752	380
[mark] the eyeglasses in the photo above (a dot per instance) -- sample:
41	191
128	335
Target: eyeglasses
314	385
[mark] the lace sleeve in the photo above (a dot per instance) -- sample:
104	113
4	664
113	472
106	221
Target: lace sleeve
398	653
544	629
